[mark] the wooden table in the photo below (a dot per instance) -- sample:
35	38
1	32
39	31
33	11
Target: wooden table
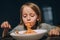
53	38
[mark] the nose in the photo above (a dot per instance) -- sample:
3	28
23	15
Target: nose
28	18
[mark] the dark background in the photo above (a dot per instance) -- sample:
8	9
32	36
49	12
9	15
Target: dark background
9	10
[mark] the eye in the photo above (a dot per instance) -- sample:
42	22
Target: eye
24	16
32	15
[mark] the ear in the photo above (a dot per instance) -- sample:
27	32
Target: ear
38	19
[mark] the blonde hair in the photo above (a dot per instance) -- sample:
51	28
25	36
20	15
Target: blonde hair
32	6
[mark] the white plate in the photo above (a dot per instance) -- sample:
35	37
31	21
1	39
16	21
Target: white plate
39	34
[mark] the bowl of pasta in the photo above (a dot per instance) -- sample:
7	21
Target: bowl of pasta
35	35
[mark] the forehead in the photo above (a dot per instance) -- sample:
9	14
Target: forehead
28	9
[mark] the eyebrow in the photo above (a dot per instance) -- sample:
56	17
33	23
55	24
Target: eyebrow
32	13
24	14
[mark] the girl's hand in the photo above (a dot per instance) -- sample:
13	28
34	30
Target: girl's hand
6	25
54	32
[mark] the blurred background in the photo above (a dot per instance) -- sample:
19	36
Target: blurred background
9	11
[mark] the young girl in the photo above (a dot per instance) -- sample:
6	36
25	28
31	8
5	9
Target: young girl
31	13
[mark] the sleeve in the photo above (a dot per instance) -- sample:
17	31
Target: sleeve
47	26
19	28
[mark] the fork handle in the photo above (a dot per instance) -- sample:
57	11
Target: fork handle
5	31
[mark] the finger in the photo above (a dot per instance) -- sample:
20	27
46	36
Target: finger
50	33
5	24
56	33
53	32
2	25
9	26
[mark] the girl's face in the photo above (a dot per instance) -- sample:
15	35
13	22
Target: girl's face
29	16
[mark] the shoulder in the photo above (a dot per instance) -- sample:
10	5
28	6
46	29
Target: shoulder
44	24
47	26
20	26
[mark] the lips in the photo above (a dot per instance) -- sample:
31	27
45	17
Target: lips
29	24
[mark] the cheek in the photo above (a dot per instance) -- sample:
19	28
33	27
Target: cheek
33	19
24	20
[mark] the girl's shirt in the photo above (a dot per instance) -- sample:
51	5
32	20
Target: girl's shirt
41	26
